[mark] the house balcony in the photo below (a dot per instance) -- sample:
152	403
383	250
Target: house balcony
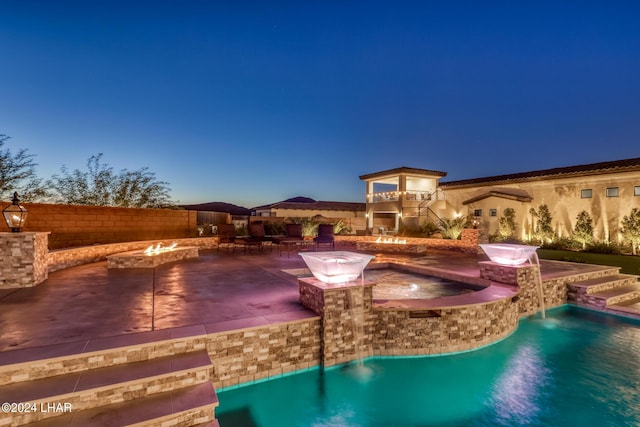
394	196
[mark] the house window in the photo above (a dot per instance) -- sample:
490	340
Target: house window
477	212
493	212
586	194
636	190
612	191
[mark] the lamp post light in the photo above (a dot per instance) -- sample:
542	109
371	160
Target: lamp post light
15	215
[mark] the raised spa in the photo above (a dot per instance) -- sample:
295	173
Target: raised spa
336	266
395	284
508	253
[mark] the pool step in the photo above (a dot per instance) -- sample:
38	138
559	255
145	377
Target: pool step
602	292
627	308
180	384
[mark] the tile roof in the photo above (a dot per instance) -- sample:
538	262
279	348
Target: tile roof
504	193
405	170
562	172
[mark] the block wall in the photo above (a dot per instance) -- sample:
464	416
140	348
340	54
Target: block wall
72	226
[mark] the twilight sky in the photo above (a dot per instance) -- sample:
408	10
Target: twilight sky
252	102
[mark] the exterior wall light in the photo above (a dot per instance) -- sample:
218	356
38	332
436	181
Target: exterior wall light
15	215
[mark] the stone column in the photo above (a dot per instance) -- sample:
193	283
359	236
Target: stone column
524	276
24	259
347	318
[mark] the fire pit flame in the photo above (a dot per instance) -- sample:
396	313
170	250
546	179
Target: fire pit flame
158	249
391	241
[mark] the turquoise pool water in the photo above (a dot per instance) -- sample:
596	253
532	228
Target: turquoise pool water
576	368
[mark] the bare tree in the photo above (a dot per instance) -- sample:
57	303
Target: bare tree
99	185
18	173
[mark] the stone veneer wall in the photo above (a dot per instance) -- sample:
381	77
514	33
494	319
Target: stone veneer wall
468	242
138	259
24	259
524	276
347	318
394	332
66	258
255	353
237	355
453	329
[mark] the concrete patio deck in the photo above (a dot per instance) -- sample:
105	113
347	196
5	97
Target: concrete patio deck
216	290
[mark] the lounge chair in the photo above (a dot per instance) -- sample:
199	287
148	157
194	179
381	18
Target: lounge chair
325	236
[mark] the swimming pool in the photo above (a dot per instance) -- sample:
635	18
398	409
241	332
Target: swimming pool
394	284
575	368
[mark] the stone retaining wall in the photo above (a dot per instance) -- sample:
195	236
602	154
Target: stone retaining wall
66	258
237	355
256	353
468	242
454	329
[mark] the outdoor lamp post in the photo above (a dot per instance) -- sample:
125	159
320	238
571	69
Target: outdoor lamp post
15	215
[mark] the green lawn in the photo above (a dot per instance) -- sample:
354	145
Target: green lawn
628	264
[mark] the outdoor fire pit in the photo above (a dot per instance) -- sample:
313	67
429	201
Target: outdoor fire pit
152	257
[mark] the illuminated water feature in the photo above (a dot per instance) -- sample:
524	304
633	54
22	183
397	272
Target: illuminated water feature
513	254
576	368
335	267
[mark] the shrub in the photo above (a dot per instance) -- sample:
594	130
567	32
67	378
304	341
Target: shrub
275	228
429	229
340	228
603	248
563	244
452	228
407	231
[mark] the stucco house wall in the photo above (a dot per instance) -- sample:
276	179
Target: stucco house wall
563	196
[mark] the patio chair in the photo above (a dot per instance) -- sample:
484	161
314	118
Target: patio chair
292	237
325	236
227	236
256	237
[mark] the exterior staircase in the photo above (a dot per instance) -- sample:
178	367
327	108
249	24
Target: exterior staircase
614	293
97	389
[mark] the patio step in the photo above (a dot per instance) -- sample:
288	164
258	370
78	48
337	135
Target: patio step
191	406
601	284
179	383
602	292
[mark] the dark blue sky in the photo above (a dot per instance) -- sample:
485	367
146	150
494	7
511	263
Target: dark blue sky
255	102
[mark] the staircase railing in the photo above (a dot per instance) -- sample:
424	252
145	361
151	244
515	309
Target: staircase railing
425	206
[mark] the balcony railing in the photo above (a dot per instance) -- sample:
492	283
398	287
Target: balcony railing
394	196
